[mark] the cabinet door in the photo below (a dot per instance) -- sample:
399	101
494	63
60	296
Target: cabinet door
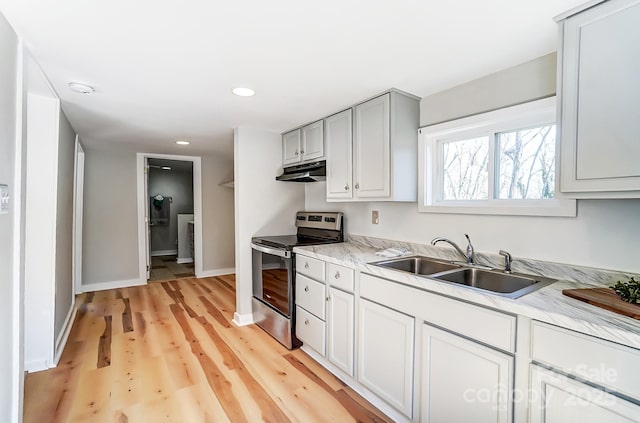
558	399
372	146
463	381
340	321
291	147
600	91
385	354
339	135
312	141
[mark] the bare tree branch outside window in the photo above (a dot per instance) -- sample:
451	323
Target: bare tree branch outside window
526	161
465	173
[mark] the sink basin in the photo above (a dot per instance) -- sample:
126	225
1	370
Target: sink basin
418	265
500	283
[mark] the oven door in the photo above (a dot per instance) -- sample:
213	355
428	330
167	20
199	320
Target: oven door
273	275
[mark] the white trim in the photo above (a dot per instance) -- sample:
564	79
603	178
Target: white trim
61	342
506	119
184	260
103	286
164	253
33	366
78	210
242	319
17	335
197	209
217	272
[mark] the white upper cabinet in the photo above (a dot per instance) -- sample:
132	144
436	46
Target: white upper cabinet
312	141
382	161
372	158
301	145
599	91
291	147
338	137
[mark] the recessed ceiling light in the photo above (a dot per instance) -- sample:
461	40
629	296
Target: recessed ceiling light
166	168
81	88
243	92
182	142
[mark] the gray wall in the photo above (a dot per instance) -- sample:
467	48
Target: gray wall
525	82
218	235
604	234
8	112
64	224
110	235
110	230
179	186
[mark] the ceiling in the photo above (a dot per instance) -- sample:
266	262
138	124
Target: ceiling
164	70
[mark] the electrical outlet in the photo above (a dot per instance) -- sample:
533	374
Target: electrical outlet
4	199
375	217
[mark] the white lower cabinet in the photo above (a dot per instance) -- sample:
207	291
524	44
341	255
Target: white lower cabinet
340	326
463	381
386	354
556	398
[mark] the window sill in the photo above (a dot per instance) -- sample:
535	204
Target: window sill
558	207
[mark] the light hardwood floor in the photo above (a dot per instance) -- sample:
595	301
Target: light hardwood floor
168	352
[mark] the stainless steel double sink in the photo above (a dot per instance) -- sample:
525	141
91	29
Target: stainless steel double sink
506	284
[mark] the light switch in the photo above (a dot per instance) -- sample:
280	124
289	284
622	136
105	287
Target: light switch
4	199
375	217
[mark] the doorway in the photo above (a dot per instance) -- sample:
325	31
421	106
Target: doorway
171	219
169	216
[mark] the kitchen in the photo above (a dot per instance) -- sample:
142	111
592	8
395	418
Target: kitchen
603	235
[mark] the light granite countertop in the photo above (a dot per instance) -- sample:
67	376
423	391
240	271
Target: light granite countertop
547	304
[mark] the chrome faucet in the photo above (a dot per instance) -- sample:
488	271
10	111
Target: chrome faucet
507	260
469	256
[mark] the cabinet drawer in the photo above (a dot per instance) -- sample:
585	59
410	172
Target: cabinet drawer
340	277
311	267
482	324
310	330
602	362
310	295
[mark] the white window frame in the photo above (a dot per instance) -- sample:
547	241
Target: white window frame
431	139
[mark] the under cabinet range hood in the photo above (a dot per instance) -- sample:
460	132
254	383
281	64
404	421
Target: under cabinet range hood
308	172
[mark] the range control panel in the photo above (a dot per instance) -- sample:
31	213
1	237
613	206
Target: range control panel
320	220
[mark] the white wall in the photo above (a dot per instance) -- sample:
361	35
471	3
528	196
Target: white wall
110	239
177	184
10	86
605	233
263	206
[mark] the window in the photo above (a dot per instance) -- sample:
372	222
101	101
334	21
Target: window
500	162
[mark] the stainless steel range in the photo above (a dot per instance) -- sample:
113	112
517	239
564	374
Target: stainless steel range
274	273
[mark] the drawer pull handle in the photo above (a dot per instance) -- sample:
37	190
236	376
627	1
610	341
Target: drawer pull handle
306	289
337	275
306	322
346	187
306	265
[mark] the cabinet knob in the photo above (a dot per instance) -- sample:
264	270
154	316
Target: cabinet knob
306	265
357	186
306	289
301	151
337	276
296	153
327	298
306	322
346	187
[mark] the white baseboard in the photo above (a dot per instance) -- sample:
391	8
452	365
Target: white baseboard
33	366
184	260
242	319
63	336
216	272
102	286
164	253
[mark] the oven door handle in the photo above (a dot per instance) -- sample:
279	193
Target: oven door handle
273	251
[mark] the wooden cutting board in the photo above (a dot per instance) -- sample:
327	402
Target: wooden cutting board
604	298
